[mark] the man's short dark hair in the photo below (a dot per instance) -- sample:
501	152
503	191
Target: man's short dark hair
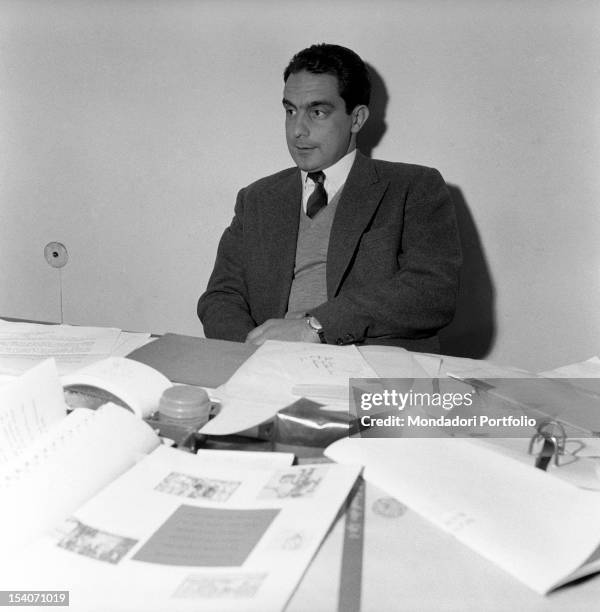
353	77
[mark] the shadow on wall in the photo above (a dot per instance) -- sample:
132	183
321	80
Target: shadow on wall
374	129
472	331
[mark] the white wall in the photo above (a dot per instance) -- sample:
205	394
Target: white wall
127	127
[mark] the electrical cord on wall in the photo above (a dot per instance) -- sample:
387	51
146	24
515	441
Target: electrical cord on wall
57	256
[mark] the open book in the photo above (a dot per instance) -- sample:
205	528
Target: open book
50	463
94	505
129	383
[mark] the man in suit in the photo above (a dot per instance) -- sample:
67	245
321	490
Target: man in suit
341	248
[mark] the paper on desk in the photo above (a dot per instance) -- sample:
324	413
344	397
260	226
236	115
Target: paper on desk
535	527
39	340
265	382
276	367
394	362
175	533
437	366
130	341
137	385
237	414
534	395
590	368
578	465
249	459
23	345
65	466
6	378
30	405
410	564
583	375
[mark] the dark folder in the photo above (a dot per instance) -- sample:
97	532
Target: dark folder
194	361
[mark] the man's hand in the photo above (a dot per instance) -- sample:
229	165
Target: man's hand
282	329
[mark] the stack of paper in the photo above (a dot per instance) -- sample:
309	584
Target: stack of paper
277	374
23	345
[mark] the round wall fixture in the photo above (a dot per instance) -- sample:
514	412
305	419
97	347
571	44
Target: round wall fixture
56	254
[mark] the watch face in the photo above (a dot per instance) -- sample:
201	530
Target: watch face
316	327
314	324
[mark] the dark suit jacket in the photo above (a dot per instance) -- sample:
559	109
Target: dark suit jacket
392	266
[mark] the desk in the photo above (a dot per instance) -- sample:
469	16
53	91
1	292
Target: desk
408	564
399	561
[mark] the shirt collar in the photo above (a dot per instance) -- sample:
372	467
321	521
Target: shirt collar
336	175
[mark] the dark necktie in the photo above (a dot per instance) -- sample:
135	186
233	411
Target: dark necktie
318	198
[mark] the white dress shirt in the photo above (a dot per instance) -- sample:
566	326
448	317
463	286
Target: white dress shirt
335	177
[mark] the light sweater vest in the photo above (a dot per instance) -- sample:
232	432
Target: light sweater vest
309	285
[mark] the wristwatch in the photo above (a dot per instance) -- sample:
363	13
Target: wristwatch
315	326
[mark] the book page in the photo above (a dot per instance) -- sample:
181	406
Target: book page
534	526
137	385
7	378
250	459
174	533
29	407
66	466
219	537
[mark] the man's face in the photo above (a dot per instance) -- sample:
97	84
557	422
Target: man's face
318	130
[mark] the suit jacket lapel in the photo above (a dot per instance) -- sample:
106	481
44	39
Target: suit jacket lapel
359	200
282	217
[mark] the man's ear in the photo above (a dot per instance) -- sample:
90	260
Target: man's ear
360	114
